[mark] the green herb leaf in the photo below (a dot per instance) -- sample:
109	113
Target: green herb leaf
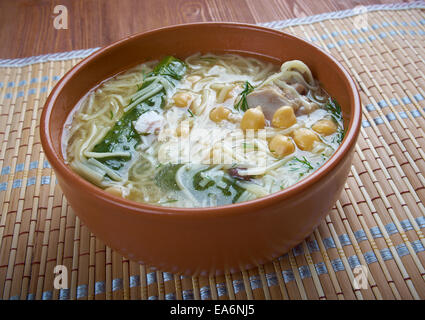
335	109
305	162
231	189
197	178
122	135
166	177
340	134
242	104
302	169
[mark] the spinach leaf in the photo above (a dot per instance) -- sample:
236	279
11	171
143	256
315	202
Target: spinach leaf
229	189
122	136
166	177
197	178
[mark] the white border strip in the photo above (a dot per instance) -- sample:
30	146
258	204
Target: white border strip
20	62
342	14
79	54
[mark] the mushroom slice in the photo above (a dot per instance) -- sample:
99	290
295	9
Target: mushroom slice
270	99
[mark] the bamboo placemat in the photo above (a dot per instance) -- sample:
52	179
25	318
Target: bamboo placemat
378	221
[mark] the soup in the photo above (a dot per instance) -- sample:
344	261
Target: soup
207	131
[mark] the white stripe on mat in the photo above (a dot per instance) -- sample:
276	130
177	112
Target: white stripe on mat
343	14
79	54
21	62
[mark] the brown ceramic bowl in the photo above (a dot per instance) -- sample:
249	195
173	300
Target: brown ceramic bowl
209	240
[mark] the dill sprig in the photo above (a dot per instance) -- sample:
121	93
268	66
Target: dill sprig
339	135
305	162
335	109
303	169
242	104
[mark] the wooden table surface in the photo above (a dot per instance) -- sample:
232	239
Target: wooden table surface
27	29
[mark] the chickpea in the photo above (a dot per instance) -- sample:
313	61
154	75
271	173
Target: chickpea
305	138
281	146
253	119
325	127
219	113
115	191
182	99
284	117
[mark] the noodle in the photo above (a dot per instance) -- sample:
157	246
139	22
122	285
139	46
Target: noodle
185	158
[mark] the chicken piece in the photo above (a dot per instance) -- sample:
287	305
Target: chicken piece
234	172
270	99
149	122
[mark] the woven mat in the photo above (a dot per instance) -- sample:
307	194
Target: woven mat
377	223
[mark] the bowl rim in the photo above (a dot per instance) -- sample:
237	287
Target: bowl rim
134	207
